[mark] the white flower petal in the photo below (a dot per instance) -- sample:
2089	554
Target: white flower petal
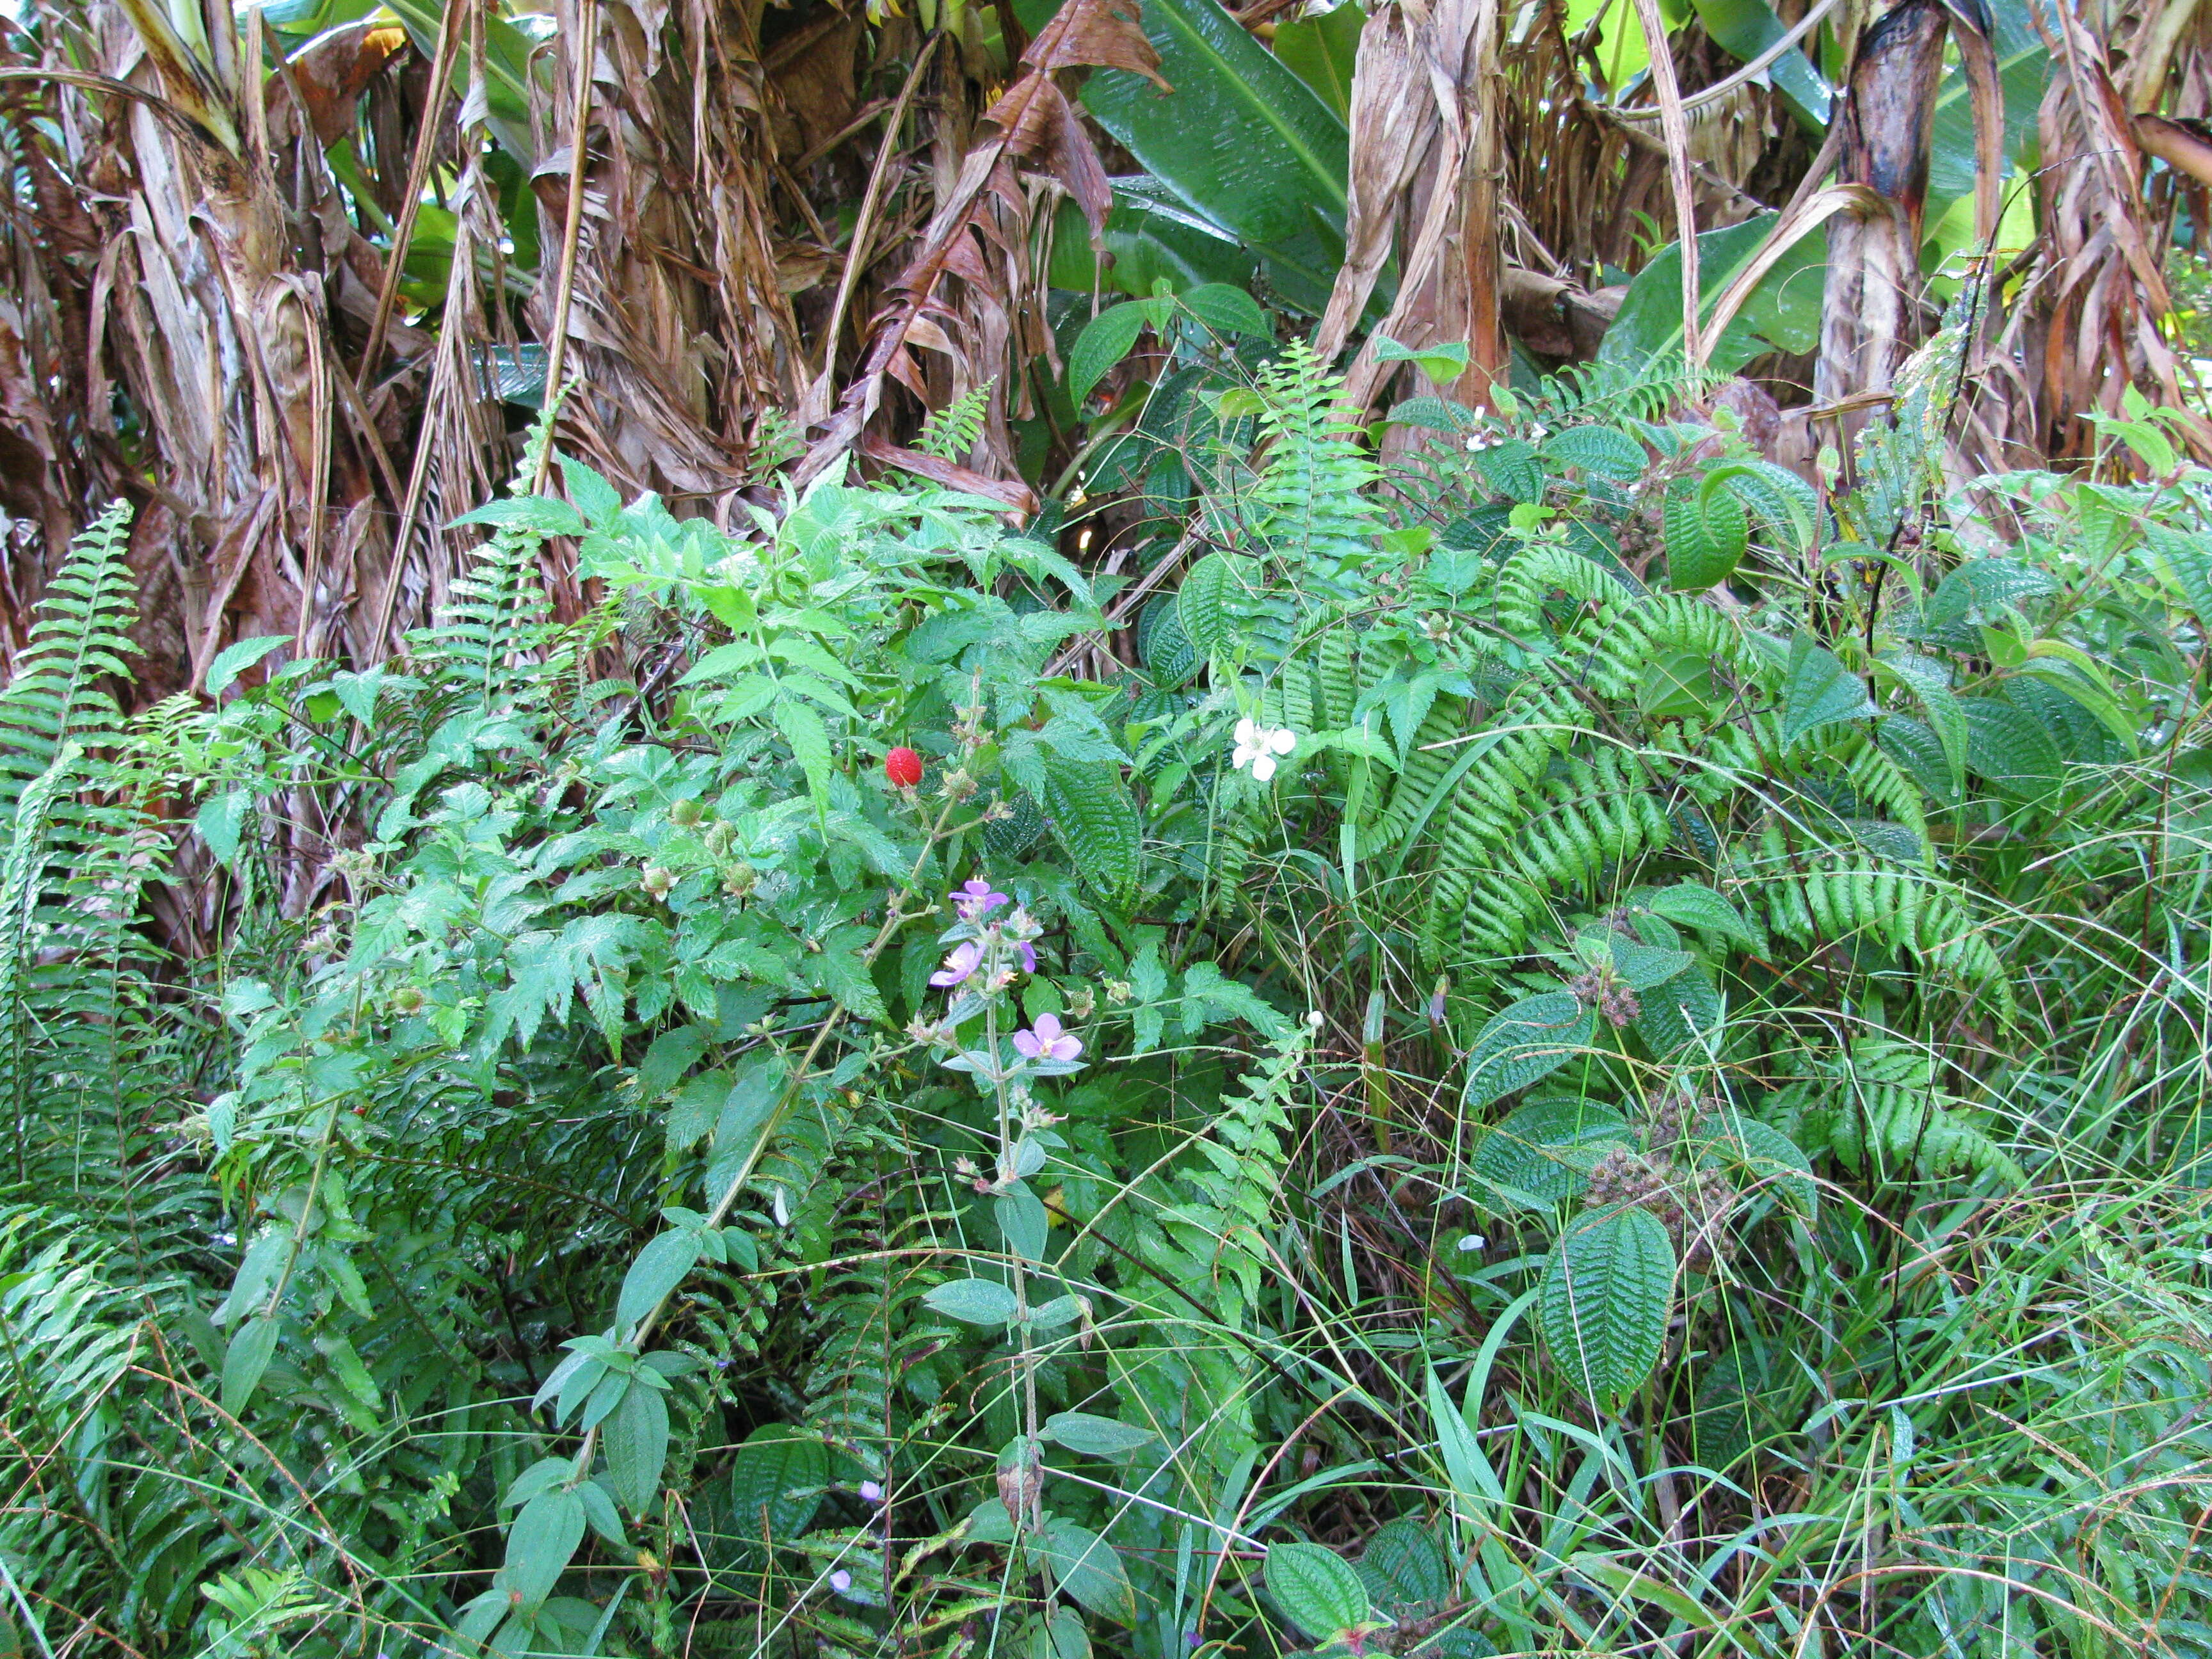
1284	741
1264	768
1246	732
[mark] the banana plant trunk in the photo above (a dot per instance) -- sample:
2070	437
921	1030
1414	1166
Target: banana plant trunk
1871	307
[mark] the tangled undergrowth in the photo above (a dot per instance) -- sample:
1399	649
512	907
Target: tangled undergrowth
1591	1049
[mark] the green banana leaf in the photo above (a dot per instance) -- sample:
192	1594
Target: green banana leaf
1321	51
1782	313
2023	71
1151	237
1242	141
1748	28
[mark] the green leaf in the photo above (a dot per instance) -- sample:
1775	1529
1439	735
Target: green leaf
1746	29
1097	1436
222	824
1772	1156
1317	1588
1241	142
1705	533
2010	748
253	1346
1604	1299
1202	604
1087	1569
1105	340
1541	1149
976	1301
1095	820
1695	905
1022	1221
1782	313
234	659
1819	691
1323	52
776	1463
542	1543
635	1435
1440	363
659	1268
1227	310
809	738
1403	1565
1928	678
1530	1040
538	515
1603	452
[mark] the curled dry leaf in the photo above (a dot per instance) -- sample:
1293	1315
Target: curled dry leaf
971	297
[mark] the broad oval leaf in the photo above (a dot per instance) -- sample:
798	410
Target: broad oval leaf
1096	1437
1318	1588
636	1439
1820	691
542	1543
659	1268
775	1483
1543	1149
1530	1040
977	1301
1603	1301
1105	340
1087	1569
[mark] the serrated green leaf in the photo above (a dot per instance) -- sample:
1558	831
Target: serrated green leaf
1705	534
771	1471
1202	603
1771	1157
1819	691
1226	309
1105	340
1095	820
809	738
1318	1588
234	659
1531	1151
1530	1040
1603	452
1695	905
1604	1299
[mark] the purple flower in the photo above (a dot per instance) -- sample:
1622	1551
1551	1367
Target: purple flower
1028	955
1046	1041
976	898
966	957
872	1491
841	1581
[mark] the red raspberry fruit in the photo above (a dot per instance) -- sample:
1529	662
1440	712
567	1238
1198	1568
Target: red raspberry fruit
904	767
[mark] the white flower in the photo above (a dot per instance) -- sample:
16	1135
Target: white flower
1258	745
1539	432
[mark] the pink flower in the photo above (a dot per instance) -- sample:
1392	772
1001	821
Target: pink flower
1028	955
1046	1041
976	898
841	1581
966	957
872	1491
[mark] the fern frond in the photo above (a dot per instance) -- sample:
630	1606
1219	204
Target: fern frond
82	637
